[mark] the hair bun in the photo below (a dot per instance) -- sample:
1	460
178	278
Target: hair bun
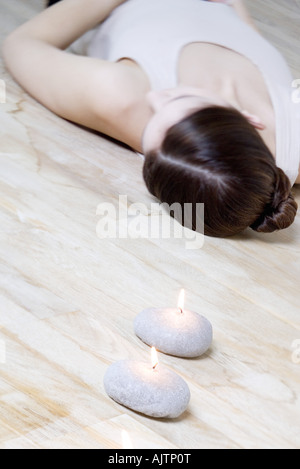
280	213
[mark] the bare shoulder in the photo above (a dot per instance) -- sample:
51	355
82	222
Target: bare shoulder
91	92
123	112
119	107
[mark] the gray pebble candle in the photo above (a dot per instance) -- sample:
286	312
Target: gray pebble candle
174	331
152	390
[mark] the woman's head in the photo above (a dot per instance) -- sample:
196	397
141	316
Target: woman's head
216	157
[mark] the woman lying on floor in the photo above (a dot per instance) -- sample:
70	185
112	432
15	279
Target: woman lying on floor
191	84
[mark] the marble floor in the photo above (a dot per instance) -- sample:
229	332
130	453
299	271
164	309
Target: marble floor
68	298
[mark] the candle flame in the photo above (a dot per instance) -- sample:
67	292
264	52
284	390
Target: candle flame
154	357
126	440
181	300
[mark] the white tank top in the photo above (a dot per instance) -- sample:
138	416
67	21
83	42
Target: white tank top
153	32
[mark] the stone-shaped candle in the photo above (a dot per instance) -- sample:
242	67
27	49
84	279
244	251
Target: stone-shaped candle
153	390
174	331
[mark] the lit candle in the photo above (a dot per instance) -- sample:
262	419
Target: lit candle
175	331
148	388
181	300
154	358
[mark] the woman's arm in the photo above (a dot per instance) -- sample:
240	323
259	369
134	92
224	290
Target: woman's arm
80	89
241	10
66	21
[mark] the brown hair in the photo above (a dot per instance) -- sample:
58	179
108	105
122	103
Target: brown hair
216	157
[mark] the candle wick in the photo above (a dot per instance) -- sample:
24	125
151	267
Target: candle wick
180	310
154	367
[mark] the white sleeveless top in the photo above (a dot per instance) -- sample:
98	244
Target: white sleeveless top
153	32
